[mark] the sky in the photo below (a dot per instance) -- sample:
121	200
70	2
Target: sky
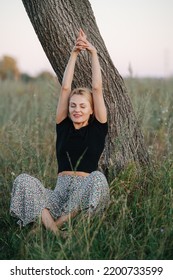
136	32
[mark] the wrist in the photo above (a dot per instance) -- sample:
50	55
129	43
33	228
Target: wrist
75	52
93	51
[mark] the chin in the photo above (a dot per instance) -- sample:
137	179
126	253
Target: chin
77	120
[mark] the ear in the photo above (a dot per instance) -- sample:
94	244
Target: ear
92	111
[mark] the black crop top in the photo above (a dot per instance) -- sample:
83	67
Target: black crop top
79	149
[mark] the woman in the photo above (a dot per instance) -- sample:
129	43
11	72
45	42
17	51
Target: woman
81	125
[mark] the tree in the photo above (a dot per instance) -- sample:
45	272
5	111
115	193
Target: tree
56	23
45	75
26	78
8	68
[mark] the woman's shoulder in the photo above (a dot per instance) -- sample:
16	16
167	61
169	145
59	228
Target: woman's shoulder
96	124
65	123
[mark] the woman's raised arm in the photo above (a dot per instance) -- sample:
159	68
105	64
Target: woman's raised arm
100	111
62	107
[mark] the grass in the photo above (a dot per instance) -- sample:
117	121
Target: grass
137	224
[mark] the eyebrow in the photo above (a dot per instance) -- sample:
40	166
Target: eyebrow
79	104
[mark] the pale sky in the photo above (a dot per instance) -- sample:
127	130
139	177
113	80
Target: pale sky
139	32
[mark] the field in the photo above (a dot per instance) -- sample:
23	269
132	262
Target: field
139	222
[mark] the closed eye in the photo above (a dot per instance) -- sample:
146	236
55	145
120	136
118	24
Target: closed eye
73	105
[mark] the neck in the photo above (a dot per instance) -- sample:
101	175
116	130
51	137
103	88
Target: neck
79	125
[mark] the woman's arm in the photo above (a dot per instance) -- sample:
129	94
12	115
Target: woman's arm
62	107
100	111
99	104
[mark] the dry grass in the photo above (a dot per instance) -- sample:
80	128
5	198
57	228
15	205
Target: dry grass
138	223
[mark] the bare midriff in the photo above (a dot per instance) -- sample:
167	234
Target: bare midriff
73	173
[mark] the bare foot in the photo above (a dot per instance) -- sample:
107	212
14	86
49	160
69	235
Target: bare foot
48	221
65	218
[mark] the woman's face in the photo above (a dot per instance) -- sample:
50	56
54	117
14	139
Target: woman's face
79	109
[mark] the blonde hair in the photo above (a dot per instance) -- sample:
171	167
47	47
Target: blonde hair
86	92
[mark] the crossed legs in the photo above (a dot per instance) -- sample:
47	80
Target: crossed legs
53	225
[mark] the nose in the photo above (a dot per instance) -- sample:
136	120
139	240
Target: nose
77	109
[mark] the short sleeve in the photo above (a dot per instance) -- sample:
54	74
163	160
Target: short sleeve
103	127
63	125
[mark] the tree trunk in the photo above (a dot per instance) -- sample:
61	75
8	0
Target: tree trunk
56	23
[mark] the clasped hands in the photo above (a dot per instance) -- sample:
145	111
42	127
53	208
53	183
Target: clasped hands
82	43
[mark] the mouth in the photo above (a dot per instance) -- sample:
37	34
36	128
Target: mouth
77	115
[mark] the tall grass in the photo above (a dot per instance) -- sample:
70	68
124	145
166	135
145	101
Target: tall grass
138	222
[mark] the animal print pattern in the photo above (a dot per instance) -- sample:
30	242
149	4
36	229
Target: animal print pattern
29	197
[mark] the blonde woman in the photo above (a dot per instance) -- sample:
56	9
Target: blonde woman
81	126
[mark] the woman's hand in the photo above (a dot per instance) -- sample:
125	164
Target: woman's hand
83	44
80	41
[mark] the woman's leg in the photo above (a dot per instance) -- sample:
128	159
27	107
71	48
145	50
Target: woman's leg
48	221
65	218
28	198
95	193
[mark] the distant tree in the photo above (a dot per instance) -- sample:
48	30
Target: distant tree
9	68
45	75
56	24
26	78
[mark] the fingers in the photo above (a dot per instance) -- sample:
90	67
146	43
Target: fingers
82	33
82	43
79	41
81	47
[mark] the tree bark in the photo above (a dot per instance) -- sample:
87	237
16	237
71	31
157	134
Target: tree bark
56	23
